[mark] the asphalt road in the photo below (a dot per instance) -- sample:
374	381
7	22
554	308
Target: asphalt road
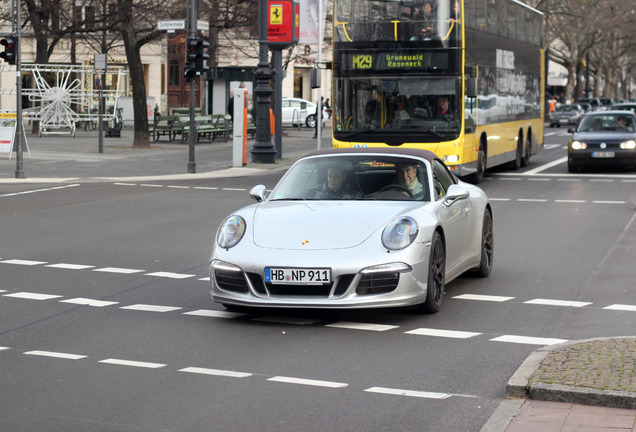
106	322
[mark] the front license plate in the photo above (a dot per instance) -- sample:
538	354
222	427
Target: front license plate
297	276
603	154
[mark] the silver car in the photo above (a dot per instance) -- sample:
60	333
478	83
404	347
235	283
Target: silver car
354	228
566	115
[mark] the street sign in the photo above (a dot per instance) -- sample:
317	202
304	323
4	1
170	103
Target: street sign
171	25
203	25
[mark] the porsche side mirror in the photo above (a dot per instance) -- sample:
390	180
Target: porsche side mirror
455	193
258	193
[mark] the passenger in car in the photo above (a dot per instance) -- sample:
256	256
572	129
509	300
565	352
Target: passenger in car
337	186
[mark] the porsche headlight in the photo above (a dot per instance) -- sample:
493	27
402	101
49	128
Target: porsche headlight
578	145
628	145
400	233
230	232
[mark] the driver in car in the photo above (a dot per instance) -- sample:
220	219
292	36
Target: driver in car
406	176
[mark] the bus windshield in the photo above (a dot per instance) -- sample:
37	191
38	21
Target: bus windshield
402	107
430	21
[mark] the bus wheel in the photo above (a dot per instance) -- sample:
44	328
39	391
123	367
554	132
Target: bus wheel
478	176
526	157
516	163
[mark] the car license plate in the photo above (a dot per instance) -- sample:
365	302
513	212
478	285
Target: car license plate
564	121
607	154
298	276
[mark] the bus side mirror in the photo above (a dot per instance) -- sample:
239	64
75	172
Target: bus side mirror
471	87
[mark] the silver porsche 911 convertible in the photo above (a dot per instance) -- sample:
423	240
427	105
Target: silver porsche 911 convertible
354	228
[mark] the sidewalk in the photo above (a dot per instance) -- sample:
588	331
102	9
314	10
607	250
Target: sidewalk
62	158
579	386
583	386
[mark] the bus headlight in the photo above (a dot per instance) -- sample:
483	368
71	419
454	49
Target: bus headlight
450	158
628	145
578	145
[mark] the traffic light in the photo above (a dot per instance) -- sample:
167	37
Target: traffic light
196	58
189	71
10	44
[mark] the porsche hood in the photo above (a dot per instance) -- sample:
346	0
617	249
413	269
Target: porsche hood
320	225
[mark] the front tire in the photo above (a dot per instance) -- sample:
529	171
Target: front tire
436	276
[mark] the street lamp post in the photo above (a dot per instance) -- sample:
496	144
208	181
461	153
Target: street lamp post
263	150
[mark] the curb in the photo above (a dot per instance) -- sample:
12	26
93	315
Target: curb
521	386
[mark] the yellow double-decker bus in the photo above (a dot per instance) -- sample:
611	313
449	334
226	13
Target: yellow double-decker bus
462	78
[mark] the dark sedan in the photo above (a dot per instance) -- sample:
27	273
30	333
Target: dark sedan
603	138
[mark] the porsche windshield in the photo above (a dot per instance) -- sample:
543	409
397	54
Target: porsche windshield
354	178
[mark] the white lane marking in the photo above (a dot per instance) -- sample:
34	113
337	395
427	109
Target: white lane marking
443	333
216	372
39	190
499	199
178	187
234	189
151	185
628	181
150	308
547	166
571	201
205	188
55	355
287	320
608	202
411	393
170	275
362	326
126	184
307	382
570	180
118	270
121	362
1	291
602	180
548	302
531	200
89	302
4	348
481	297
69	266
511	178
214	314
32	296
528	340
539	179
621	307
205	279
23	262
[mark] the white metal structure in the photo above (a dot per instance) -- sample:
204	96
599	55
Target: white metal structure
61	98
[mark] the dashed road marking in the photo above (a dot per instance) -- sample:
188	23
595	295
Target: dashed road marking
410	393
132	363
69	266
528	340
151	308
307	382
452	334
215	372
32	296
53	354
621	307
548	302
89	302
482	297
118	270
171	275
362	326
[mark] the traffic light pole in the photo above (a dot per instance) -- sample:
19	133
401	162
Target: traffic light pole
192	32
19	167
